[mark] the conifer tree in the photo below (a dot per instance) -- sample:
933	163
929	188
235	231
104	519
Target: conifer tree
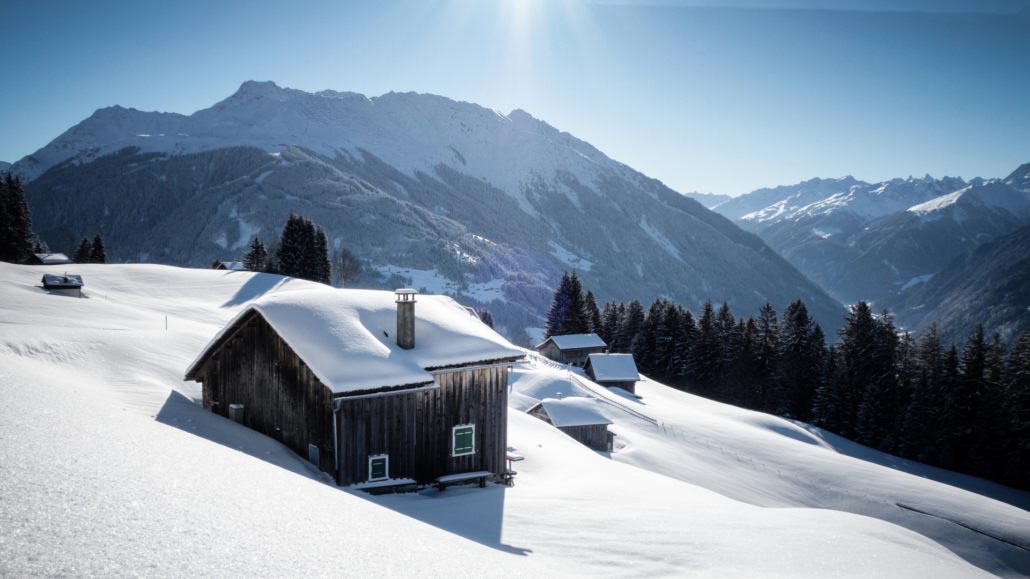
594	323
706	354
576	322
765	388
609	323
631	324
97	252
561	305
800	353
292	245
256	256
15	222
84	251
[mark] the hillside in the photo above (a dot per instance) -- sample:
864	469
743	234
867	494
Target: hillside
988	285
434	193
104	442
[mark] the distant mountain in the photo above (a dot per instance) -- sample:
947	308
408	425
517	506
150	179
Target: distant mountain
4	166
709	200
988	285
439	194
1020	178
868	241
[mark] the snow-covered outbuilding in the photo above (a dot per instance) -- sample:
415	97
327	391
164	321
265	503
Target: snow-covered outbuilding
571	348
229	265
369	391
619	370
64	284
49	259
577	416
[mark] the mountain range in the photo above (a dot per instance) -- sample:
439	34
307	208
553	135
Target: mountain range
885	242
443	195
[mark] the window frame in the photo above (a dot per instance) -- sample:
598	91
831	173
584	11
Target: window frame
454	440
386	467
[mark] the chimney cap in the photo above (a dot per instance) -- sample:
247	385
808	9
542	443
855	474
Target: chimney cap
405	294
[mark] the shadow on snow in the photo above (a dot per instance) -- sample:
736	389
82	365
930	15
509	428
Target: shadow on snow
470	512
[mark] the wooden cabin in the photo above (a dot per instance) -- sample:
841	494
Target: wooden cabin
371	392
571	348
613	370
229	265
64	284
49	259
579	417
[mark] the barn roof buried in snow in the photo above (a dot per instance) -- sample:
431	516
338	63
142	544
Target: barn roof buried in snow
52	258
346	337
54	281
575	341
572	411
230	265
613	367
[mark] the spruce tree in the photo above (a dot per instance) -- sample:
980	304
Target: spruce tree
576	321
1017	413
875	413
766	387
291	254
84	251
561	305
595	324
256	256
16	225
97	252
609	323
630	326
706	354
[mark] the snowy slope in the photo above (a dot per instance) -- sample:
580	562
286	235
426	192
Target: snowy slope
110	468
777	463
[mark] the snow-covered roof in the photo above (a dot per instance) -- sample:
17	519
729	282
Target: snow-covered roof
232	265
52	258
61	281
347	337
613	367
572	411
575	341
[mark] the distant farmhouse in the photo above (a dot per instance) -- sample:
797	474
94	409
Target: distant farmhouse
229	265
69	285
571	348
49	259
578	417
613	370
372	393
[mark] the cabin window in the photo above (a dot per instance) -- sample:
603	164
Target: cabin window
463	440
313	454
378	467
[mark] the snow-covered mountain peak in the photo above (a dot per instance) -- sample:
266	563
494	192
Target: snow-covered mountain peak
1020	178
993	193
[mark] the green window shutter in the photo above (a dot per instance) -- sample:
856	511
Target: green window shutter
464	440
377	468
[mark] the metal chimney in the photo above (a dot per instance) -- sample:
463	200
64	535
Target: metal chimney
406	318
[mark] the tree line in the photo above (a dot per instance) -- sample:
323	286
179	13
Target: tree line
302	251
961	408
18	242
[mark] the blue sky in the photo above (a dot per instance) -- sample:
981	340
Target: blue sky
713	95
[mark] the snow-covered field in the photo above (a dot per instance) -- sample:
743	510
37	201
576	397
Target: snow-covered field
107	467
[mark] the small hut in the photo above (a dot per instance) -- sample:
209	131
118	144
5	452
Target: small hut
49	259
69	285
571	348
229	265
613	370
579	417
